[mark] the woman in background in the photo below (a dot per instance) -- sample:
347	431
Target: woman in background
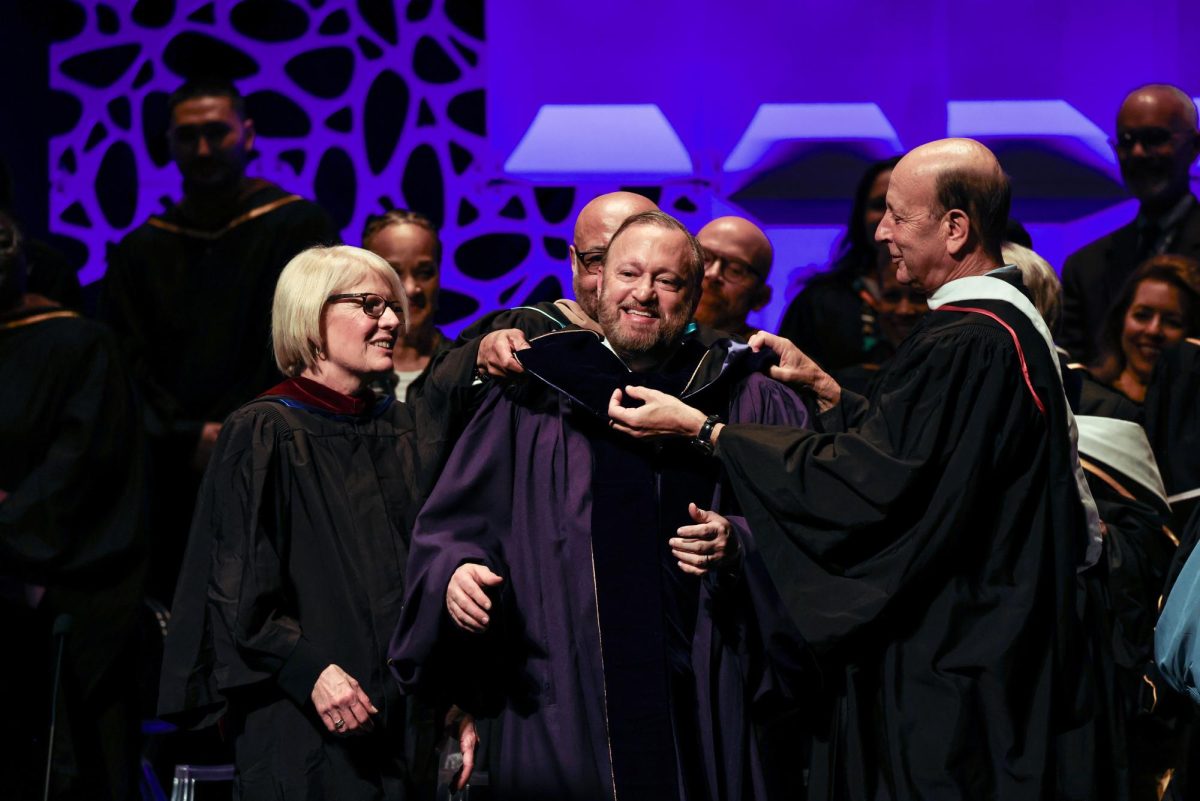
829	320
1158	306
408	242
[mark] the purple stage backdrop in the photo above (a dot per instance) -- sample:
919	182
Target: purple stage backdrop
764	109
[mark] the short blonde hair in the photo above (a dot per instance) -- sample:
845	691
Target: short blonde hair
1039	278
302	290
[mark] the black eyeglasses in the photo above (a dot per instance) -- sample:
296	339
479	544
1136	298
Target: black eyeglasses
1151	138
372	305
590	260
735	272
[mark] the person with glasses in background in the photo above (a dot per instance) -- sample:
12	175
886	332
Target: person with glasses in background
295	567
1157	142
497	336
737	261
188	294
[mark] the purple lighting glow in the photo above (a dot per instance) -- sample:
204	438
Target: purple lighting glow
992	119
766	109
634	141
776	126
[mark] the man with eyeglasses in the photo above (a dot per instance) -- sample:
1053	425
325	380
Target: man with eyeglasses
1157	142
188	294
499	335
594	227
737	261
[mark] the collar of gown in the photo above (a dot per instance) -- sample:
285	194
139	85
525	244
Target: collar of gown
995	287
317	397
581	365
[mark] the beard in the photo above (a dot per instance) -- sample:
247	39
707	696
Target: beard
586	300
664	335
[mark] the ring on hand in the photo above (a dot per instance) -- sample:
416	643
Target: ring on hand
339	724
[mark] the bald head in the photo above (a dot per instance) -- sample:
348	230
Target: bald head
1171	102
965	175
737	261
947	209
603	215
1156	144
741	238
594	227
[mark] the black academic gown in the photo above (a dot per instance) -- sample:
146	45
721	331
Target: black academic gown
1138	732
1172	414
926	547
830	322
296	561
72	530
191	307
608	672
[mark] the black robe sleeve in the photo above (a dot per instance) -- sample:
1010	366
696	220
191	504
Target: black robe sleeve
80	506
450	393
850	522
465	520
233	578
120	308
442	409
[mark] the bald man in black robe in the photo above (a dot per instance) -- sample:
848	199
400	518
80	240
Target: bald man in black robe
926	544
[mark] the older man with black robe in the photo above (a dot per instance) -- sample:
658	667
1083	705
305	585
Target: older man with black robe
926	543
561	583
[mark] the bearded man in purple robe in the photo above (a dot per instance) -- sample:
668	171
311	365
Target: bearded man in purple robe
562	583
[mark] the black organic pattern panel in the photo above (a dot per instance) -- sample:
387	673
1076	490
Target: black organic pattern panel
269	20
118	169
277	115
64	111
422	184
153	13
68	19
335	185
120	112
101	68
360	105
383	118
335	23
418	10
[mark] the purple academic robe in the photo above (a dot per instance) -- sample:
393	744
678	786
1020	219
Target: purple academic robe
517	497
